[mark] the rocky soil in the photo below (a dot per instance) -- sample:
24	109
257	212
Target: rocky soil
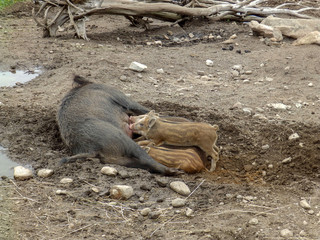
264	97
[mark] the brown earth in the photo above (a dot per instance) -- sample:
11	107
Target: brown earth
250	181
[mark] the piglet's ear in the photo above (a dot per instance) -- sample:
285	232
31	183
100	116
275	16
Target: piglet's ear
151	122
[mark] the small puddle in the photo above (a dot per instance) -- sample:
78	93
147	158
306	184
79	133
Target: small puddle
10	79
6	165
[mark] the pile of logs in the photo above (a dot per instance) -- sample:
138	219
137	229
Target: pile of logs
53	14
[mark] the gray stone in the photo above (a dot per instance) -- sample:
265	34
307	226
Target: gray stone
253	221
178	202
294	136
180	187
110	171
66	180
304	204
138	67
22	173
145	211
286	233
123	192
45	173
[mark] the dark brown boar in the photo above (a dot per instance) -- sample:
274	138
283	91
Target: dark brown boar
93	120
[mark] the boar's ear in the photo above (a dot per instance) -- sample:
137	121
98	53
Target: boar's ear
151	122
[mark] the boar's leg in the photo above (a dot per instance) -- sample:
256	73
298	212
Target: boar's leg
78	157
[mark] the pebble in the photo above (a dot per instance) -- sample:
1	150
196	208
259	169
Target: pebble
269	79
123	192
253	221
209	63
200	73
237	67
303	233
260	116
180	187
286	233
279	106
270	166
264	173
246	81
110	171
22	173
66	180
294	136
45	173
235	73
247	110
123	78
160	71
138	67
310	84
178	202
311	212
123	174
304	204
61	192
287	160
145	211
189	212
237	105
162	182
154	215
229	195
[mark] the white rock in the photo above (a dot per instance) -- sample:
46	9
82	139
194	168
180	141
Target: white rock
138	67
311	212
189	212
237	67
66	180
253	221
158	42
61	192
123	78
270	166
287	160
269	79
310	84
235	73
145	211
260	116
22	173
180	187
247	110
45	173
110	171
121	192
279	106
286	233
237	105
303	233
209	62
178	202
305	204
160	71
294	136
95	189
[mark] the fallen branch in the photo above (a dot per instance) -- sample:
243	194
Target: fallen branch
246	10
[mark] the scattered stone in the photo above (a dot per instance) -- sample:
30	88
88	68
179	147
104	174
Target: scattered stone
145	211
189	212
209	63
311	212
229	195
310	85
269	79
154	215
123	78
180	187
235	73
138	67
270	166
66	180
279	106
309	38
178	202
246	81
95	189
45	173
260	116
158	42
237	105
61	192
160	71
191	35
253	221
249	72
205	78
21	173
264	173
303	233
294	136
287	160
110	171
162	182
123	174
304	204
247	110
286	233
200	73
237	67
123	192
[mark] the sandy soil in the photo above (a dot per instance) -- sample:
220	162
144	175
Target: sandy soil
250	183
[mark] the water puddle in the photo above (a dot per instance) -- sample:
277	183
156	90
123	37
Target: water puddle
6	165
11	78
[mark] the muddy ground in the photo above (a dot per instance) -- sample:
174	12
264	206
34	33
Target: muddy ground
251	181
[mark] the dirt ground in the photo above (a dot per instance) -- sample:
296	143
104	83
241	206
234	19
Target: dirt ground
251	195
